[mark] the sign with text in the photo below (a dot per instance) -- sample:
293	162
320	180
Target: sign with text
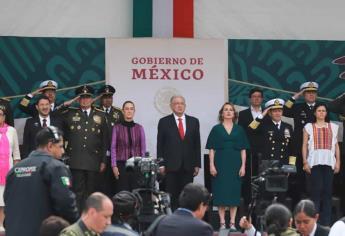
150	71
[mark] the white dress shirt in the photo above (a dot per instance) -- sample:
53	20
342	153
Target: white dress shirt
255	113
47	120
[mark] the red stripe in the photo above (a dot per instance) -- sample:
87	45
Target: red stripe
183	22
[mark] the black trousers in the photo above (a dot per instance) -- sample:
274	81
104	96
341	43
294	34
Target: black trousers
175	182
128	180
321	191
108	182
84	183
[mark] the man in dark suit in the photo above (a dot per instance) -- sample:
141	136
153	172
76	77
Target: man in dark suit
187	220
302	113
256	142
37	123
87	136
178	143
47	88
5	104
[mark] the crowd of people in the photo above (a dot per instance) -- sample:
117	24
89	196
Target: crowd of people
95	141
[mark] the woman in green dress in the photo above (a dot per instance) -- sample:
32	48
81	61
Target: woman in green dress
227	144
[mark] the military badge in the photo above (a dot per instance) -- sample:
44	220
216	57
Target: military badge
287	133
97	119
76	118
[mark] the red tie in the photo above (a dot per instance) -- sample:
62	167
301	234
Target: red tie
180	128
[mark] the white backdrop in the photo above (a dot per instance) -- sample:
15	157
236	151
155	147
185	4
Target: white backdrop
204	95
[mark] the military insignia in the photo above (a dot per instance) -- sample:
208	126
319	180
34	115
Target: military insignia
97	119
76	118
36	124
270	133
276	102
24	102
78	127
65	181
72	127
289	104
287	133
311	85
85	89
254	124
107	90
50	83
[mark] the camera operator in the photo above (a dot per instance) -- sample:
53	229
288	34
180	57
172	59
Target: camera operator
126	206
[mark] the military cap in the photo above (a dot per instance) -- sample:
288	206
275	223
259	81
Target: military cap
275	103
84	90
309	86
49	84
106	90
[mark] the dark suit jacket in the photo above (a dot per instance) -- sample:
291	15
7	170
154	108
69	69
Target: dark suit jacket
177	153
255	139
321	230
32	127
182	223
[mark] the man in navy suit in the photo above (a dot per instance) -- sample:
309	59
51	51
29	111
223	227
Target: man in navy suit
187	220
38	122
178	143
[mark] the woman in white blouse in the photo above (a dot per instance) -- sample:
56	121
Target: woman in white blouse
9	155
321	159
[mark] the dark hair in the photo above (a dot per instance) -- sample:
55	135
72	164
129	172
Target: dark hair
52	226
123	105
307	207
327	119
277	219
3	109
193	195
126	205
220	113
48	134
95	201
41	97
254	90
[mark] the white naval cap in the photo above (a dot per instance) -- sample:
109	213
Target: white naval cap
309	86
275	103
49	84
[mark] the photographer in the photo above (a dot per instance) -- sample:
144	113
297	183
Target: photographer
126	206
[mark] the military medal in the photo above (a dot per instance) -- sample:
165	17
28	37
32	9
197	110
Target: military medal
97	119
76	118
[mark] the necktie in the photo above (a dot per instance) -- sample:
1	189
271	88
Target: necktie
180	128
44	123
107	110
277	125
85	112
311	107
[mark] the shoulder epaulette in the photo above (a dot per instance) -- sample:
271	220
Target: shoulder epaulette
118	108
289	103
254	124
24	102
97	109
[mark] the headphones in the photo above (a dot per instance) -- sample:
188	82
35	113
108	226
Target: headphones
54	133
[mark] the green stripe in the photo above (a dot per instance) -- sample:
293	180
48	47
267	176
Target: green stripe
142	18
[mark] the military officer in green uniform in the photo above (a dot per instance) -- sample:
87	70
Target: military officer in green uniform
114	116
96	216
5	105
86	133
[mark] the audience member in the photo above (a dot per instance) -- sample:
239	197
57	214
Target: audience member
52	226
38	187
187	220
338	228
126	206
95	217
306	217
